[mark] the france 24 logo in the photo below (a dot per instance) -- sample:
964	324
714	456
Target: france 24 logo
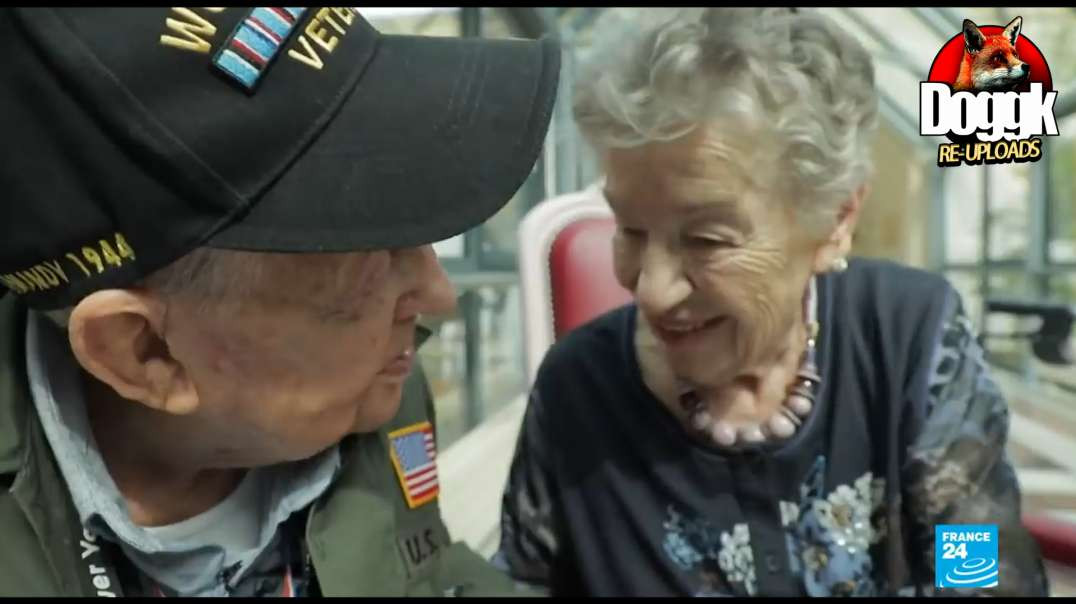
966	555
989	91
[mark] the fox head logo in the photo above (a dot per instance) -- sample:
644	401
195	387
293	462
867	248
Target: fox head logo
991	62
989	91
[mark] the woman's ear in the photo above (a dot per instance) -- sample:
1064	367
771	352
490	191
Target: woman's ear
117	336
839	242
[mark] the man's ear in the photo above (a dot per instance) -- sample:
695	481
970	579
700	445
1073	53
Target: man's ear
117	337
839	242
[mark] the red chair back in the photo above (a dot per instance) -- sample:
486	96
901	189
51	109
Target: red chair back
565	269
581	274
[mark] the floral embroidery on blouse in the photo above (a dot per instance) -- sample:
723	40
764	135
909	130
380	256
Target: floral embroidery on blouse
696	545
829	536
736	558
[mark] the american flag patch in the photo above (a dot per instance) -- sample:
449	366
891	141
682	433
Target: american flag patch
414	456
258	38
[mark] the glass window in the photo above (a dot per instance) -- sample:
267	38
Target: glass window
963	198
501	365
903	30
1010	194
900	85
443	358
449	248
1011	284
966	283
1063	288
897	73
486	324
500	239
1010	191
848	24
989	15
495	24
1061	153
1004	343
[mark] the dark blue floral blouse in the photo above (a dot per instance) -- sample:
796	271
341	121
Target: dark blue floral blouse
608	495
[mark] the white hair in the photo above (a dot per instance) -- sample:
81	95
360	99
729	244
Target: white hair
793	83
212	275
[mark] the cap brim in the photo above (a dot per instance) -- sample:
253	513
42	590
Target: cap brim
438	134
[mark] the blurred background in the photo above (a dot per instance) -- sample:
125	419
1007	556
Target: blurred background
1005	231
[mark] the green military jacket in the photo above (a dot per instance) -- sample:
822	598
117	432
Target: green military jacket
362	536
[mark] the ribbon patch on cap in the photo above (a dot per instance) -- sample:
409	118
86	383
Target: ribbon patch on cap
414	457
247	53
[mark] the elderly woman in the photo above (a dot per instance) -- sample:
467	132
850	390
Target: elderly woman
767	417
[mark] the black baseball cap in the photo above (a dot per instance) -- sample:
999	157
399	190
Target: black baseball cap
133	135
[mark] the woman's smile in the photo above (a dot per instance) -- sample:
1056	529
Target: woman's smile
681	334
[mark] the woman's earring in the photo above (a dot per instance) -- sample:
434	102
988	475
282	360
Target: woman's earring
839	265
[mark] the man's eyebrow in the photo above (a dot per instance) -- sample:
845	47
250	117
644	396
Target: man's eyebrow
326	314
351	281
329	286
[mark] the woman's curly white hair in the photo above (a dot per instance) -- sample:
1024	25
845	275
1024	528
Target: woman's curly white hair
790	82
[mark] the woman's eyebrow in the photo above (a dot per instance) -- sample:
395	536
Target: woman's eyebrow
725	214
704	200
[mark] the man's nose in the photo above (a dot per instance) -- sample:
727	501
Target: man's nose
429	292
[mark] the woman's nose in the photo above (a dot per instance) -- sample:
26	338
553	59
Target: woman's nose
662	284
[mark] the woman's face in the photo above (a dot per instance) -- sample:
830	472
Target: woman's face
718	270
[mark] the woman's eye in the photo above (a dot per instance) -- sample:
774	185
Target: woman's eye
633	233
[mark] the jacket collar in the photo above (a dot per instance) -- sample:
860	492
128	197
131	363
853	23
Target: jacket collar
14	388
38	487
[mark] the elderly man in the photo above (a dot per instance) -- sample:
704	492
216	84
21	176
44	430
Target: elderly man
216	227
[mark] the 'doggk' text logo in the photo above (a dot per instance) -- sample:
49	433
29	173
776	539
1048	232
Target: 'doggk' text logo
989	91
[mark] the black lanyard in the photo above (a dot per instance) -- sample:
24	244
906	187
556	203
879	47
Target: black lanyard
98	556
98	569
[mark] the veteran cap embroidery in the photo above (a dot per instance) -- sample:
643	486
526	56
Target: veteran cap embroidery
144	133
256	41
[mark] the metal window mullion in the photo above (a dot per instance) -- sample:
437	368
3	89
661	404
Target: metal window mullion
567	135
471	26
937	233
1039	240
984	248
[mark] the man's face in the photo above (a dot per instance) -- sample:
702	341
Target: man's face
292	371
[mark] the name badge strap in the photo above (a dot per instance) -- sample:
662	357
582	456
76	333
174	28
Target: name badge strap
98	574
